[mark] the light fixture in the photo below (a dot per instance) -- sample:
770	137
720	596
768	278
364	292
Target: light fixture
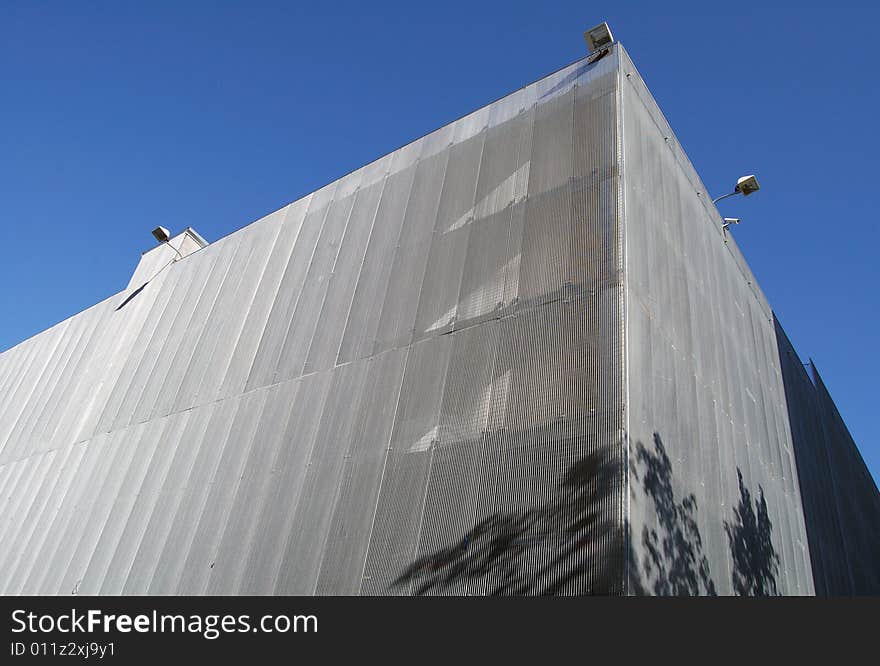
745	186
162	235
598	37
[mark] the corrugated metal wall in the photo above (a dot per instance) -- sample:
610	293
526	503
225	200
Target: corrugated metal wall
714	503
409	381
841	501
516	356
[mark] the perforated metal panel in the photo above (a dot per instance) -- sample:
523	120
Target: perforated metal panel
840	498
323	398
714	505
516	356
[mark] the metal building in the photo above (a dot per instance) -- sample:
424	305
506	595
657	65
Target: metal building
518	355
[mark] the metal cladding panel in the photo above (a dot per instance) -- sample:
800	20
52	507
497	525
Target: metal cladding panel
362	323
285	493
240	521
523	489
401	496
180	534
154	456
409	381
265	361
29	538
841	500
42	571
208	310
149	360
325	343
159	524
215	346
412	381
342	566
233	370
714	505
333	222
450	229
323	478
216	506
857	499
494	241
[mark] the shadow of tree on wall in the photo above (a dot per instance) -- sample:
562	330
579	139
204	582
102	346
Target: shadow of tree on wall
674	562
571	544
568	545
754	559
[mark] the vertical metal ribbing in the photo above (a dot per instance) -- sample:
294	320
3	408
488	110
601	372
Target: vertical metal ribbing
451	231
304	318
155	538
621	213
212	361
402	495
488	346
500	191
248	340
329	329
450	496
405	283
545	248
169	348
309	529
362	323
275	331
348	539
209	310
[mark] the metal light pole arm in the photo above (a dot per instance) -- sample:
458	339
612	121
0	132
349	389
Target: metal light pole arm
725	196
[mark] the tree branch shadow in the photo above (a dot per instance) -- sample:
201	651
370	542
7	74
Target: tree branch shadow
674	562
755	560
567	545
571	544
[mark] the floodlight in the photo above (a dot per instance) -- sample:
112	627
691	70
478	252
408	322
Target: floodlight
161	234
747	185
598	37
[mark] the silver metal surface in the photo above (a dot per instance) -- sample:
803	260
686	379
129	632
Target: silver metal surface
514	356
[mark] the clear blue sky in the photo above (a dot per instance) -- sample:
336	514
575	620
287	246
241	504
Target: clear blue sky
116	117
